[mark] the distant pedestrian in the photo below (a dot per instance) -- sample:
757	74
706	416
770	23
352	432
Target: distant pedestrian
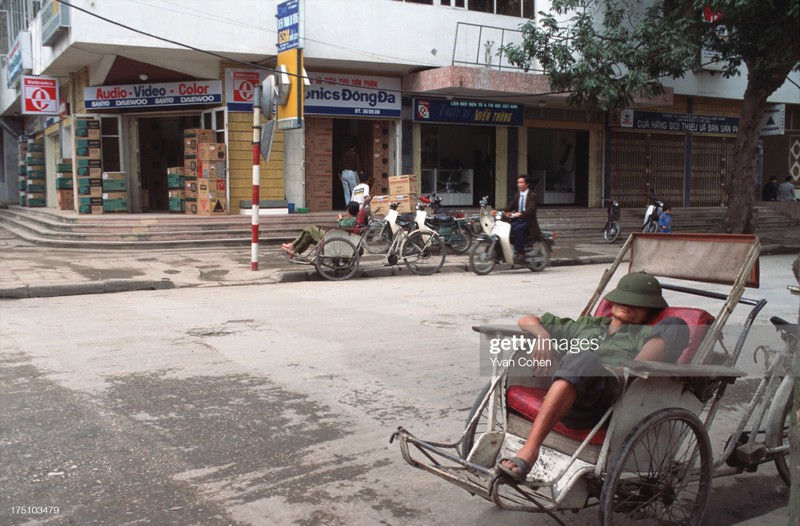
770	191
665	220
350	164
786	190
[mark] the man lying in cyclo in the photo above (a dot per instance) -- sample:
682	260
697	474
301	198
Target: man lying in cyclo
582	388
312	234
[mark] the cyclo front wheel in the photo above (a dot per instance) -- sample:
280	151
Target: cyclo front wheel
423	252
661	473
337	259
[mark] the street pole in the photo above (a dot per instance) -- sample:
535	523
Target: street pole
256	178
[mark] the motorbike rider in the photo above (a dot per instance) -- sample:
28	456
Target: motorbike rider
522	209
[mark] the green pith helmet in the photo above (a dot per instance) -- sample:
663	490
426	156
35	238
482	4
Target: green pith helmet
638	289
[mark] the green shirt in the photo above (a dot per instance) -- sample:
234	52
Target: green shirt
347	222
590	333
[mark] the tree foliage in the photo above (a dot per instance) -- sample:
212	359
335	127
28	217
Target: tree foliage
609	53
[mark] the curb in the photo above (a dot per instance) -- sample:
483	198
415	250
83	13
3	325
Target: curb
89	287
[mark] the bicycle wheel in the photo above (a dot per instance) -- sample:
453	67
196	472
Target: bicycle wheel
337	259
481	258
539	256
612	231
781	461
379	237
460	239
661	474
480	426
423	253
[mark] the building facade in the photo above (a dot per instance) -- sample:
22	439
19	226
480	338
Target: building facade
431	97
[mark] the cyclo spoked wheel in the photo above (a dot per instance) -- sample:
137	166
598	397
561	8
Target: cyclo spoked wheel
781	461
539	255
337	259
460	239
480	425
423	253
379	237
612	231
481	258
661	473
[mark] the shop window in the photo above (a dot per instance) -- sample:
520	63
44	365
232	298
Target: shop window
110	143
215	120
484	6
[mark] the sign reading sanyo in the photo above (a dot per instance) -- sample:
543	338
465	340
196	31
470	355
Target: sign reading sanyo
357	95
152	95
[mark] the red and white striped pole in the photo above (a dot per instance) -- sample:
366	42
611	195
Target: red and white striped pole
256	177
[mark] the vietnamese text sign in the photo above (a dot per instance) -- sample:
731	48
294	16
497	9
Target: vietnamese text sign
19	58
288	25
774	119
680	122
240	86
469	112
357	95
186	93
39	95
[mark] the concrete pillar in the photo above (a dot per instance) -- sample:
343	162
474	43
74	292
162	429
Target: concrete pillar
294	163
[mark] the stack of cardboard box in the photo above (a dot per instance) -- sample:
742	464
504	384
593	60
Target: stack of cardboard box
88	165
175	189
65	194
380	159
403	189
35	184
204	174
115	192
22	173
319	165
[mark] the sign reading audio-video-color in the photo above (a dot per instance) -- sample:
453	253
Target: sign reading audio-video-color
153	95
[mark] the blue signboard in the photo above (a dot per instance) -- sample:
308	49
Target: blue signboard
185	93
288	25
468	112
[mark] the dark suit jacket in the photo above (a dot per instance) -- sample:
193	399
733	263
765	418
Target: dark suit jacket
529	214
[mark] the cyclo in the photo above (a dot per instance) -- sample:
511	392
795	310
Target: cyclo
338	255
649	459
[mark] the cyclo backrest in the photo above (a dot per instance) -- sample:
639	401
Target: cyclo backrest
698	321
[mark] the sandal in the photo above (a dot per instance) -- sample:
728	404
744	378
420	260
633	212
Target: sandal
520	463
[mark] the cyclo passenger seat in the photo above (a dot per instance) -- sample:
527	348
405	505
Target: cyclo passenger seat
527	401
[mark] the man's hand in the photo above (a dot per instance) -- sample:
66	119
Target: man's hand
542	352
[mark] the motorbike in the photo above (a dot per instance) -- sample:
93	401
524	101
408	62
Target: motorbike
453	231
494	245
612	228
651	215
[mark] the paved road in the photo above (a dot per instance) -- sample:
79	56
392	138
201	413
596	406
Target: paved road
273	404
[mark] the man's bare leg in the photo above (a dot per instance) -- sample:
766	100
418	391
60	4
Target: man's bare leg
556	403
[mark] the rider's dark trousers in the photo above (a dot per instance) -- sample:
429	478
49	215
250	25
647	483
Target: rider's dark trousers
519	232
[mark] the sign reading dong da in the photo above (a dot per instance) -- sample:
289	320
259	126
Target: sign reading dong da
187	93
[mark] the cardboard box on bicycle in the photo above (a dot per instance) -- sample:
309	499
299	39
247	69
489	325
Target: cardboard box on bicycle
403	184
380	203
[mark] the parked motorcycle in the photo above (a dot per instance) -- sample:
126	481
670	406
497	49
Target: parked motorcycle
612	229
651	215
494	245
453	231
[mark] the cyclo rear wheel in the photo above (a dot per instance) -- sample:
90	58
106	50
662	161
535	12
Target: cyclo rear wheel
423	252
337	259
661	473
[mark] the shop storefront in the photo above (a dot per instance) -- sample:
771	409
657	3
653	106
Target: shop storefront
462	155
341	110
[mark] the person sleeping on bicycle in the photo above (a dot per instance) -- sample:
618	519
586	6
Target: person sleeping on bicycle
582	387
522	209
312	234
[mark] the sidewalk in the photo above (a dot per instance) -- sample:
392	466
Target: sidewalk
28	270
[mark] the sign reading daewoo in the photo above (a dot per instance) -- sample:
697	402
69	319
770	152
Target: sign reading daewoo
187	93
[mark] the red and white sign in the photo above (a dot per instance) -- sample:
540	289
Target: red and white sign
39	95
240	87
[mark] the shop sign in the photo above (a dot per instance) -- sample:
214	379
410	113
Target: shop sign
19	59
39	95
352	95
289	29
189	93
774	119
55	21
679	122
468	112
240	87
